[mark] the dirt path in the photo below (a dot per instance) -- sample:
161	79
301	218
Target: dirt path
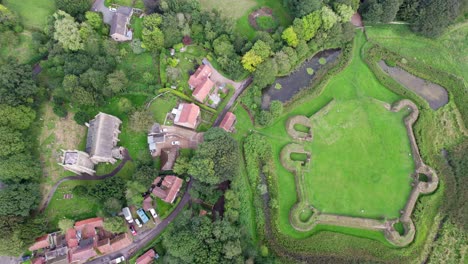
85	177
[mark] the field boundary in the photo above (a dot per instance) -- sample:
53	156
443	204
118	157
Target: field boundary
384	225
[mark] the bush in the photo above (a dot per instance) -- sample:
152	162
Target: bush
322	61
310	71
60	110
81	117
390	62
278	86
266	23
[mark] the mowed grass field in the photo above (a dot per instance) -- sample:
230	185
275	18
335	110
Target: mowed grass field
239	11
33	13
449	52
360	163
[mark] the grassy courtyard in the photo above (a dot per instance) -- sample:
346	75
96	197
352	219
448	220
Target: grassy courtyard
447	53
358	147
33	13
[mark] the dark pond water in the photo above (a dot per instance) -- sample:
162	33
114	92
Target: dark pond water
434	94
297	80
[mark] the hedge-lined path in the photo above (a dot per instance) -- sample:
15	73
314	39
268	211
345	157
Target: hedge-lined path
86	177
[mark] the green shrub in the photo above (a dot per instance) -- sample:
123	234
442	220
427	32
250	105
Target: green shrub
60	110
81	117
266	22
310	71
390	62
278	86
322	61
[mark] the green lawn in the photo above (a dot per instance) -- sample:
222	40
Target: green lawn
448	52
134	66
137	25
33	13
163	105
76	208
360	164
240	10
23	49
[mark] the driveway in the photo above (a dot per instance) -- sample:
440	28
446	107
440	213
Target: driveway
243	85
107	15
219	78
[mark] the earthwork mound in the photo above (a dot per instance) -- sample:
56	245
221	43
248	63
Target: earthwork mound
299	128
263	19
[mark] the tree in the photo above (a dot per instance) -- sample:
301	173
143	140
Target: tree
76	8
16	84
222	46
81	117
276	108
218	148
112	206
141	120
344	11
181	165
125	105
259	52
109	188
301	8
306	27
435	16
282	62
19	168
18	199
290	37
116	83
67	31
265	73
372	10
94	20
65	224
19	117
11	141
389	10
115	225
134	193
145	175
8	19
152	36
329	18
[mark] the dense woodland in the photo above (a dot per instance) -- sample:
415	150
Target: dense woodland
80	63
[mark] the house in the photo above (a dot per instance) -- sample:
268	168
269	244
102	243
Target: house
103	135
77	161
147	203
168	158
71	238
202	90
40	243
201	83
156	135
87	228
119	26
167	188
146	258
228	122
187	115
38	260
80	255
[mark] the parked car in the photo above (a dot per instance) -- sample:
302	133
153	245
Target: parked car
117	260
153	213
132	228
138	223
127	214
175	143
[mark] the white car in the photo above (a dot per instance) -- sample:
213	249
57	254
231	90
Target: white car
153	213
117	260
138	223
175	143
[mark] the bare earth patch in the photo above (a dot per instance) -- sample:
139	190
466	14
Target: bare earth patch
56	134
264	11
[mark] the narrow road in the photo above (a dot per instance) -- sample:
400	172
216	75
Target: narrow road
144	239
85	177
233	99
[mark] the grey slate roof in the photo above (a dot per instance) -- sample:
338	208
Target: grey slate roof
119	21
100	140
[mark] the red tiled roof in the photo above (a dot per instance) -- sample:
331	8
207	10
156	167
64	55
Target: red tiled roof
170	186
39	260
203	89
204	71
41	242
71	239
104	246
146	258
188	115
202	213
228	121
147	203
80	255
121	241
94	222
